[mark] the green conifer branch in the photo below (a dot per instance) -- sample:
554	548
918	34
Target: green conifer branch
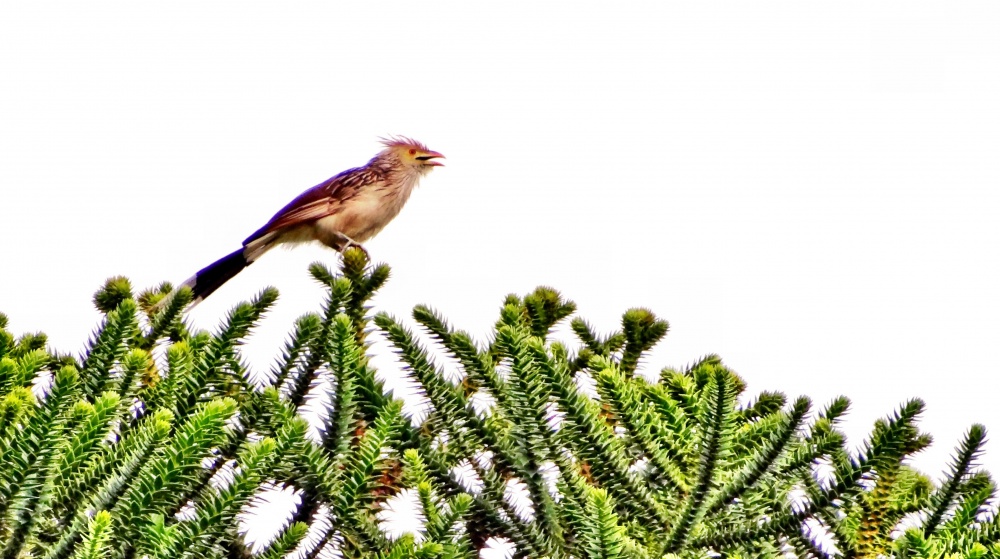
716	420
27	456
478	367
14	406
989	531
447	399
276	411
642	331
656	440
822	440
644	469
19	368
806	547
78	450
96	543
575	492
889	442
354	263
601	535
406	548
345	362
173	472
156	538
872	533
974	500
214	364
113	475
28	343
288	540
468	431
215	515
962	462
6	338
314	473
684	391
166	321
350	293
442	520
492	512
136	364
751	435
112	294
804	453
971	530
455	512
763	459
767	403
542	309
678	441
350	497
836	409
429	505
880	460
492	432
180	366
913	545
308	327
596	345
108	347
597	448
254	408
531	434
318	351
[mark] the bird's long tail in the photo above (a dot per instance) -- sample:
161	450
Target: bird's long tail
211	277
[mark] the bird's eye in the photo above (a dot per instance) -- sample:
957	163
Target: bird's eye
413	151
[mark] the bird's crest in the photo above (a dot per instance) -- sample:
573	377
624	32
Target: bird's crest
402	141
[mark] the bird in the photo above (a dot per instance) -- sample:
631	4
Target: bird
341	212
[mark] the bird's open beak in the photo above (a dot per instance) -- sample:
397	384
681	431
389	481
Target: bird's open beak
428	159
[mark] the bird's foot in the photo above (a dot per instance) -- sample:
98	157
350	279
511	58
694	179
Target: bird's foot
353	244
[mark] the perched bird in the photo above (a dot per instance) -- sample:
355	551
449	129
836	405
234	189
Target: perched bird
341	212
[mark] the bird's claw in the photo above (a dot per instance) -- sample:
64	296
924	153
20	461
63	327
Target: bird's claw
352	244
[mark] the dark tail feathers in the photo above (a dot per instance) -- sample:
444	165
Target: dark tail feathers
211	277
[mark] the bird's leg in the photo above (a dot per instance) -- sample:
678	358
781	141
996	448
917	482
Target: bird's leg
351	243
339	241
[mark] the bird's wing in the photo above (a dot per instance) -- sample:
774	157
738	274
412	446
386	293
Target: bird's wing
319	201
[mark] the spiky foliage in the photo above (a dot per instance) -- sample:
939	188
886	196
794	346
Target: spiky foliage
159	441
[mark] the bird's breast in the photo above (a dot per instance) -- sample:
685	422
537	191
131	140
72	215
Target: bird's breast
366	213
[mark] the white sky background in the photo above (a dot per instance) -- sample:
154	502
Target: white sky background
809	191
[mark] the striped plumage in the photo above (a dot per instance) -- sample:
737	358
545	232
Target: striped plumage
342	211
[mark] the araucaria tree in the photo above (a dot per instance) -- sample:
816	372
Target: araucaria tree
157	443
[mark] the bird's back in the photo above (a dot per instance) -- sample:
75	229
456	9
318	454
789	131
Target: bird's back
315	202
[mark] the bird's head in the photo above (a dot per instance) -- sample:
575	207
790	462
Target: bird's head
413	155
